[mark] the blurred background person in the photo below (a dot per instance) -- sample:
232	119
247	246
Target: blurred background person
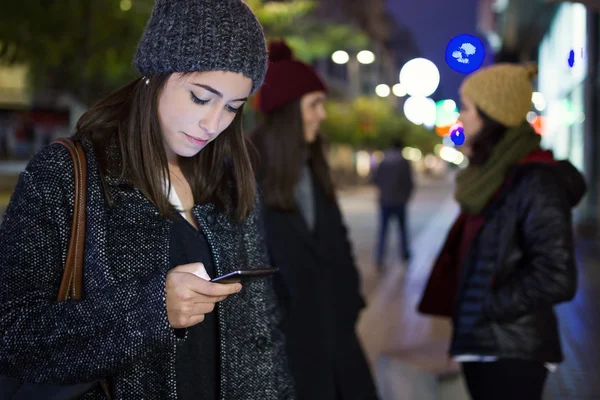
394	180
319	286
510	252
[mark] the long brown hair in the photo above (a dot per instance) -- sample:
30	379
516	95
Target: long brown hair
221	173
283	150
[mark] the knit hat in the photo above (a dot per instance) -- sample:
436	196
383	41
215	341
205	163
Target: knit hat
202	35
502	91
287	79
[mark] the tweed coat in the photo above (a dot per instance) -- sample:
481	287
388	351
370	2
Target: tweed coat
120	329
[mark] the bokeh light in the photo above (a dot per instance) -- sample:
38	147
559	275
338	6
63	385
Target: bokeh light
382	90
399	90
420	77
420	111
340	57
446	113
539	101
365	57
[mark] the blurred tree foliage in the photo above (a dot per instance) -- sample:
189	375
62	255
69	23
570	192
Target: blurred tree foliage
372	123
309	37
85	47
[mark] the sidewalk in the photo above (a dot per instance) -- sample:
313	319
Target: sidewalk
406	350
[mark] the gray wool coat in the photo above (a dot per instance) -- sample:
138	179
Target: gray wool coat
120	329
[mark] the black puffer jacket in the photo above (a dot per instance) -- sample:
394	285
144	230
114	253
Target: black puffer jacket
519	267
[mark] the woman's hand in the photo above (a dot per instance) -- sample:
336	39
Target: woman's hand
190	298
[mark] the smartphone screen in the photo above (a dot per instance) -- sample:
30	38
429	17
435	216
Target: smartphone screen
245	276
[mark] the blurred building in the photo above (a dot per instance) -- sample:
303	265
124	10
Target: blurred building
391	44
563	38
29	121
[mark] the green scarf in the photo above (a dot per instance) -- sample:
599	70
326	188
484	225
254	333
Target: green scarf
477	184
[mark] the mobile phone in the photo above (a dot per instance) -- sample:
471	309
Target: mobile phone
245	276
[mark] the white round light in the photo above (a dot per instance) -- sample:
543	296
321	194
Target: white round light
531	117
536	97
451	155
382	90
420	111
365	57
539	101
340	57
411	154
399	90
420	77
449	105
540	105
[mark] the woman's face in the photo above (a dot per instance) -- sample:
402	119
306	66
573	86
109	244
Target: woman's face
471	121
194	109
313	113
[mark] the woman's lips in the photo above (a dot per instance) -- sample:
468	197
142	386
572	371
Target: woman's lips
195	141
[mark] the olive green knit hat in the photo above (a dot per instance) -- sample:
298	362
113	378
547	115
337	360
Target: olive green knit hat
502	91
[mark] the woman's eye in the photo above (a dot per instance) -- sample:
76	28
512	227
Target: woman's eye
197	100
232	109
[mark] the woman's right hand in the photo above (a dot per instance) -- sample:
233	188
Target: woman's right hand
190	298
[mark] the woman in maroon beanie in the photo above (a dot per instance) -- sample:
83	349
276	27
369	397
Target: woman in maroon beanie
319	287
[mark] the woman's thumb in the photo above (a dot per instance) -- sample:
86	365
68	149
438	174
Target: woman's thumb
194	268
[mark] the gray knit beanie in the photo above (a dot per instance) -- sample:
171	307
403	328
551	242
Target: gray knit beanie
203	35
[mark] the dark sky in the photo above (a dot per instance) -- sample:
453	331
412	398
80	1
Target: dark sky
432	24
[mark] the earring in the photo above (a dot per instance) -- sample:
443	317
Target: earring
147	80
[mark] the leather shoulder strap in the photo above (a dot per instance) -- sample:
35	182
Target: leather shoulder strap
72	280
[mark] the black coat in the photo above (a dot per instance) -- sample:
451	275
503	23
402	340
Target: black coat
120	329
319	290
520	266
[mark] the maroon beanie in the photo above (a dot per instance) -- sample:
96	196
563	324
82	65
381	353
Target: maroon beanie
287	79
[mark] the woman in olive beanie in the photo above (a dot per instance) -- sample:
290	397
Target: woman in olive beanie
508	258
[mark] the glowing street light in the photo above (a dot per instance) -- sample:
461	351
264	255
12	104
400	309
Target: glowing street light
340	57
420	77
420	111
382	90
399	90
365	57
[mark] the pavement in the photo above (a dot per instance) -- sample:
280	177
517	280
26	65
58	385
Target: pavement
407	351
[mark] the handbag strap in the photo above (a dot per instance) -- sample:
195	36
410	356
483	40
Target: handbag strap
72	279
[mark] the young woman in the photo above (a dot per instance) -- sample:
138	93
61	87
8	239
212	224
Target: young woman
319	285
170	203
510	252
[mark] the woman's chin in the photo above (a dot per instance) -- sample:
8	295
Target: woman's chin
188	152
